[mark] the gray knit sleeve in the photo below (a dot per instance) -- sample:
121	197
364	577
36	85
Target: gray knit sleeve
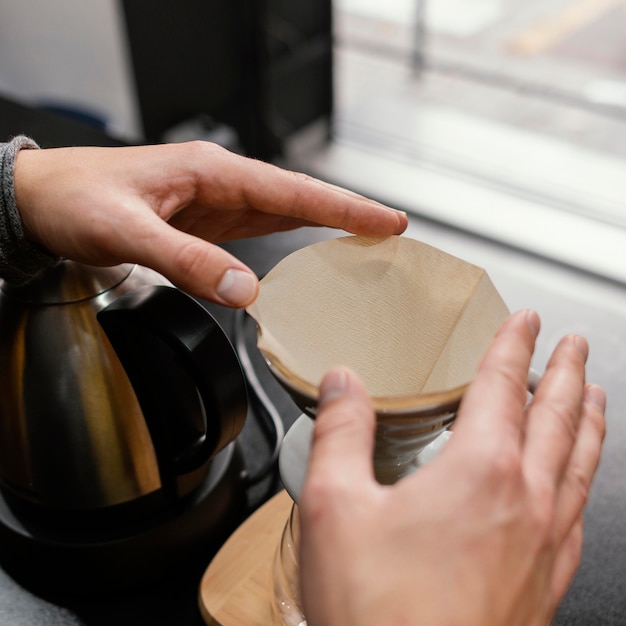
20	260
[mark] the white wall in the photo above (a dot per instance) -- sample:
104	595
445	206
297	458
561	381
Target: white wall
69	52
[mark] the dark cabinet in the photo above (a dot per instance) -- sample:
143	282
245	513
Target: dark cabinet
295	67
263	67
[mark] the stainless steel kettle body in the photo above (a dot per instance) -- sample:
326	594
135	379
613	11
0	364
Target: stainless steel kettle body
115	388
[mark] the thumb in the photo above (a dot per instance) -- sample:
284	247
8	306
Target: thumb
343	437
198	267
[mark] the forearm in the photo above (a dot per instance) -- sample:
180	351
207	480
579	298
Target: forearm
20	260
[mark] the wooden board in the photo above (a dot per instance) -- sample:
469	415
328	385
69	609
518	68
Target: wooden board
236	588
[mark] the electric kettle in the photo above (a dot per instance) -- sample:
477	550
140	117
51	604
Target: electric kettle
117	393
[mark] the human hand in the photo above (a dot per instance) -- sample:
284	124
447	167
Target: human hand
160	206
487	534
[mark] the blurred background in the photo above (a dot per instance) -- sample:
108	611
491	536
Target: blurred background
506	118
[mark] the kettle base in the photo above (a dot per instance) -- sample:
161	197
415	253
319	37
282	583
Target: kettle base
39	557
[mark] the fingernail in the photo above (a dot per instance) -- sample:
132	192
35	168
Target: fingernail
581	345
596	395
237	287
399	213
402	225
532	319
334	385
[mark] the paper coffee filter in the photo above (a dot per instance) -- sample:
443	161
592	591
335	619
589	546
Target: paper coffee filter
408	318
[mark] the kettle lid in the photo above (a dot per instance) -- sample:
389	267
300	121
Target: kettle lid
68	282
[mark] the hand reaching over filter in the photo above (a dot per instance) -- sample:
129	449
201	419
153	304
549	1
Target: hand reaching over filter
165	206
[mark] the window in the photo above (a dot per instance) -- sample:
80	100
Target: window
503	117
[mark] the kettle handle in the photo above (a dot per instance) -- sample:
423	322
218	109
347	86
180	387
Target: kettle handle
185	373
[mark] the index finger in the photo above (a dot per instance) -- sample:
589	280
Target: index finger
493	405
271	189
341	208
